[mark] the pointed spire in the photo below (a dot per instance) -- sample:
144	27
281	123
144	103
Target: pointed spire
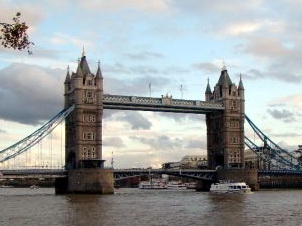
99	72
208	89
67	79
84	64
240	86
223	67
224	79
83	52
79	70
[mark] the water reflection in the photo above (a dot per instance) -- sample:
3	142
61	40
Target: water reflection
136	207
227	209
86	209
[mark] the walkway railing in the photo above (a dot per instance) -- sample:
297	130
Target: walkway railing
165	103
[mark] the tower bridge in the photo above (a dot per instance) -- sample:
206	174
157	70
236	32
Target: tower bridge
85	101
163	104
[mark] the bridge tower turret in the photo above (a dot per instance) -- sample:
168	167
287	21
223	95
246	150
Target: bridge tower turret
83	134
83	145
225	130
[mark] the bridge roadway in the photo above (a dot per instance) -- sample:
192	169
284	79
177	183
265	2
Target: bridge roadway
119	174
264	176
163	104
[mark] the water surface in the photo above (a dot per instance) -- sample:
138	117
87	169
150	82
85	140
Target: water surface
22	206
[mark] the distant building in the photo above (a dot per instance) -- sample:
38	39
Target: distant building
171	165
188	162
194	162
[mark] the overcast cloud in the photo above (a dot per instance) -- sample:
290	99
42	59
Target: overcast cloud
168	44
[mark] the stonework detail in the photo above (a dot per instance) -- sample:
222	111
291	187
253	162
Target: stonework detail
225	129
84	125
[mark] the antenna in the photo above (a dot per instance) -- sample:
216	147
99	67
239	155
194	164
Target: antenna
112	160
181	91
150	88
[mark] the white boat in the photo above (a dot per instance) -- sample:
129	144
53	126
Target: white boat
175	185
152	184
191	185
230	187
34	187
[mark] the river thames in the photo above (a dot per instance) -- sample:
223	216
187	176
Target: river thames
131	206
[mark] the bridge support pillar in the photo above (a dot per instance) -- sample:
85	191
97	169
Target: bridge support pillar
250	176
203	185
88	181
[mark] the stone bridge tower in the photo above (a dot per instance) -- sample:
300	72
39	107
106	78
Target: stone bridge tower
83	134
225	130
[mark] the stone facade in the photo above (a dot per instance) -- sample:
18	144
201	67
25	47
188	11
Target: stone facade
225	130
83	134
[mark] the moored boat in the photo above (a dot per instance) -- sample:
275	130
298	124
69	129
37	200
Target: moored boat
152	184
175	185
34	187
191	185
230	187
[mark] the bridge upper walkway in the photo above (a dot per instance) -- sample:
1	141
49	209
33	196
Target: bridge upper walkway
163	104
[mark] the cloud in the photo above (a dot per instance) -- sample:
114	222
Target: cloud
62	39
290	101
113	142
144	55
181	117
134	86
31	15
283	115
136	120
252	74
207	67
265	47
30	94
196	144
161	142
116	5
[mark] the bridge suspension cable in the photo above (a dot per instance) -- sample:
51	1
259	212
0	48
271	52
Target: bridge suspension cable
29	141
270	152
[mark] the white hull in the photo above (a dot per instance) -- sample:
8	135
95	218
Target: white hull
152	185
230	187
176	186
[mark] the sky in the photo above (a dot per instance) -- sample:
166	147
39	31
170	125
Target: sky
170	43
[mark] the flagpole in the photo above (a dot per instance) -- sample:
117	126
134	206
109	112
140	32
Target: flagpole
181	91
150	88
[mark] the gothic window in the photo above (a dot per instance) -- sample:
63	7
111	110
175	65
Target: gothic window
234	124
88	94
88	135
234	139
88	97
88	153
89	118
234	104
89	82
93	155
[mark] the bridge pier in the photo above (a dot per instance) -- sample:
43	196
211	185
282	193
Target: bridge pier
88	181
250	176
